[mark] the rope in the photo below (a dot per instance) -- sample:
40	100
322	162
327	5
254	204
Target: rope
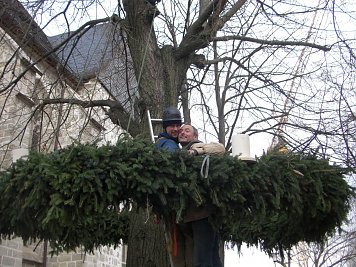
148	210
204	170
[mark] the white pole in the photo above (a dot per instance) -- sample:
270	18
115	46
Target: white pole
150	125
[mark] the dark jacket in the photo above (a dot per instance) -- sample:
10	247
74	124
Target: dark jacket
194	213
167	142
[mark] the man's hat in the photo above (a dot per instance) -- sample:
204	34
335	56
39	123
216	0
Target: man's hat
171	116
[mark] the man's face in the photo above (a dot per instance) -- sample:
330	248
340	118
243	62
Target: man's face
173	130
186	134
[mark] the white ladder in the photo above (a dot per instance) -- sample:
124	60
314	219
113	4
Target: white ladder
150	121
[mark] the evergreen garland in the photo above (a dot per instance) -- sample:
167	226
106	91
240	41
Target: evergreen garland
78	196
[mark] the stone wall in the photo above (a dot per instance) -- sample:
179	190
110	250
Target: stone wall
105	257
14	254
11	253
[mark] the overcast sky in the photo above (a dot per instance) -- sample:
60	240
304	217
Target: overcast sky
250	257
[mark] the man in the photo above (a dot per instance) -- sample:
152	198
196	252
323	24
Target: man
168	140
188	138
196	233
171	122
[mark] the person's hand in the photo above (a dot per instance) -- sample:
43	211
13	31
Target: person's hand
191	152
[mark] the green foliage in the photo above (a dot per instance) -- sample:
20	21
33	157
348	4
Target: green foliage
60	197
76	197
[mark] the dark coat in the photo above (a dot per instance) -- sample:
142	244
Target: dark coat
194	213
167	142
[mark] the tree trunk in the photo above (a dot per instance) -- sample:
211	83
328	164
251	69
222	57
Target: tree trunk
159	86
147	246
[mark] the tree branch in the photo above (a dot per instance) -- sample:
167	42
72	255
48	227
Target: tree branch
232	11
195	39
199	35
82	103
270	42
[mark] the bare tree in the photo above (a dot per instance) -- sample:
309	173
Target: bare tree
336	251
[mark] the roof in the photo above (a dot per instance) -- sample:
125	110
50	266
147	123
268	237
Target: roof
19	24
100	52
87	52
97	52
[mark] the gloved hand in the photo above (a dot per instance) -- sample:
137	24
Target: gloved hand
209	149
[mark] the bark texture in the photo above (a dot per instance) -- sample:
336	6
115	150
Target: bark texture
147	246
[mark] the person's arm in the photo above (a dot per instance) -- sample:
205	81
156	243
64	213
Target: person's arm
209	149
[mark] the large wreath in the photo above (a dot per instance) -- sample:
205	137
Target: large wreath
78	196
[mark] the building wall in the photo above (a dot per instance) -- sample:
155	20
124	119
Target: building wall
23	126
14	254
106	257
11	253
